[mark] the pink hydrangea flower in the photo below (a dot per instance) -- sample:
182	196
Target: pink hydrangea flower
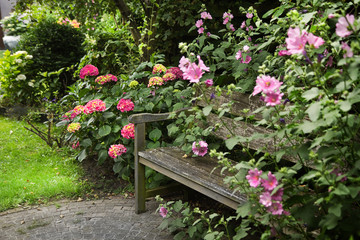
175	70
265	199
201	30
73	127
249	15
343	28
314	41
125	105
276	208
155	81
128	131
88	70
199	23
209	82
347	49
169	76
77	110
116	150
273	98
163	212
295	42
95	105
158	68
205	15
270	183
253	177
266	84
200	148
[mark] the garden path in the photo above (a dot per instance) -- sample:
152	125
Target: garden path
109	218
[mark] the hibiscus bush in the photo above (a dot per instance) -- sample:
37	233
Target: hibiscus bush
302	58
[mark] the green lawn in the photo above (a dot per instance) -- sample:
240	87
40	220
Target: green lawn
31	171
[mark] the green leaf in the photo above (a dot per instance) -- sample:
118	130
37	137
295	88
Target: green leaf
116	128
104	130
307	17
117	167
207	110
82	155
211	235
155	134
177	206
345	106
308	127
354	191
314	111
108	114
102	156
341	190
270	40
149	106
191	231
86	142
231	142
310	94
336	209
179	236
178	106
329	222
243	210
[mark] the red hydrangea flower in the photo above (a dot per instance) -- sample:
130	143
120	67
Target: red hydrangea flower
88	70
95	105
116	150
125	105
73	127
128	131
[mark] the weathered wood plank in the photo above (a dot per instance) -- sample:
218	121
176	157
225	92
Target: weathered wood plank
148	117
195	173
242	101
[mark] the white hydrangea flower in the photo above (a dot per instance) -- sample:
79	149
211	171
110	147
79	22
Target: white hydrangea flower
18	60
29	57
21	77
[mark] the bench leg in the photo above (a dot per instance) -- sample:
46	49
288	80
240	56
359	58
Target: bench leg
139	169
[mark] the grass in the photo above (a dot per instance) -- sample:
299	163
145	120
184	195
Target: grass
32	172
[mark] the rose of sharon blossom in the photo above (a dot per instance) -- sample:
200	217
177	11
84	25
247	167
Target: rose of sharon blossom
205	15
295	42
209	82
95	105
276	208
314	41
184	64
253	177
158	68
73	127
128	131
200	148
163	212
284	53
125	105
155	81
116	150
192	71
201	30
265	199
270	183
266	84
273	98
347	49
227	17
342	26
88	70
199	23
278	195
249	15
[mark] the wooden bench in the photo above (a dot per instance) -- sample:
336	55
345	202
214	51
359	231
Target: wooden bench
196	172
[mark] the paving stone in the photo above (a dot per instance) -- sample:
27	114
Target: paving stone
101	219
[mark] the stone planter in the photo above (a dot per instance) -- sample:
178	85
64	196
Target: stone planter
11	42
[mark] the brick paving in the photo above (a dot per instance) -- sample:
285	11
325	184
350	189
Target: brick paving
112	218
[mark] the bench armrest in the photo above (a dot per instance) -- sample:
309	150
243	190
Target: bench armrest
152	117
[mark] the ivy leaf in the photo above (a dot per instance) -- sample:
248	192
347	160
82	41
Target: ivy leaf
310	94
341	190
314	111
104	130
330	221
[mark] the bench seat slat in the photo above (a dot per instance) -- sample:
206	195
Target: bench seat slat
193	172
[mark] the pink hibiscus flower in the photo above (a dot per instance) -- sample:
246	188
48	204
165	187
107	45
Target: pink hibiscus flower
200	148
295	42
253	177
270	183
315	41
266	84
343	28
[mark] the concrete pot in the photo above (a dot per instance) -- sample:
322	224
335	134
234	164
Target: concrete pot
11	42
